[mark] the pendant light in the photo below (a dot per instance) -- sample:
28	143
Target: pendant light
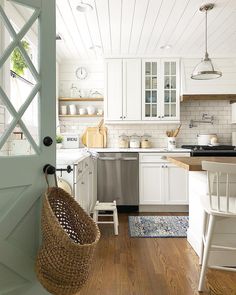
205	69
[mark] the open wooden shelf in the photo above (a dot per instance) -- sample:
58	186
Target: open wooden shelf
81	116
80	99
191	97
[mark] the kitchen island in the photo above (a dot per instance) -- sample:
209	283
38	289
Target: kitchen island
225	228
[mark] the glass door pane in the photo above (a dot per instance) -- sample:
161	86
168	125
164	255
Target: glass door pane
170	76
151	89
20	85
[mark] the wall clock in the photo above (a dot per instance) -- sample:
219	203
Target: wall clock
81	73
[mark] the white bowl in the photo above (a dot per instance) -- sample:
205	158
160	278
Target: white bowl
82	111
91	110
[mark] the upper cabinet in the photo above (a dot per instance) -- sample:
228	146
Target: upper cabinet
123	90
151	103
142	90
161	95
114	90
132	79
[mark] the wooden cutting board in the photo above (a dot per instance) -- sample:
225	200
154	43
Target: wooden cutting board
95	137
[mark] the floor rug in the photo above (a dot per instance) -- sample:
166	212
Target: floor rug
158	226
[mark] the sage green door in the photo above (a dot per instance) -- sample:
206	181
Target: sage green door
27	116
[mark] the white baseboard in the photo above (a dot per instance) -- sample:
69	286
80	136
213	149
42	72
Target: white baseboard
163	208
193	241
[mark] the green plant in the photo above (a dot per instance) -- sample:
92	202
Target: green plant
18	63
59	138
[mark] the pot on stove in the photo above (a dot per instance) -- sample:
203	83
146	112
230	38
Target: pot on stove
205	139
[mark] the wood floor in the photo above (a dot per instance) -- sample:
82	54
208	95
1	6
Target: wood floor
142	266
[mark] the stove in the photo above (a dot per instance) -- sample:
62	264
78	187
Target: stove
211	151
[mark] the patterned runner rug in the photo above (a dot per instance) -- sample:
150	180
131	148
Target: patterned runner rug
158	226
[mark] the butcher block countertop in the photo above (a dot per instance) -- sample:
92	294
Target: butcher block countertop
195	163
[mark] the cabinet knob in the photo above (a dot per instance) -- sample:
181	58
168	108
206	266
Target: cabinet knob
121	117
159	117
82	182
163	117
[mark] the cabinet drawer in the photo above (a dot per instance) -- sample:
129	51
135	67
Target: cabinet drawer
159	157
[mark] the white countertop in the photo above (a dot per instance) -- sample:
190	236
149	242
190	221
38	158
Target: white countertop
139	150
72	156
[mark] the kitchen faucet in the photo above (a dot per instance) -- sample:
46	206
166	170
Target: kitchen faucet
205	119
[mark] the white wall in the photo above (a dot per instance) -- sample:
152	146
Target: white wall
221	110
94	81
226	84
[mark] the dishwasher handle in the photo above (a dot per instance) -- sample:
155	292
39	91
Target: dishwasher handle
129	159
108	159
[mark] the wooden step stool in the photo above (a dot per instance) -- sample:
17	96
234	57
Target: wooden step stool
106	207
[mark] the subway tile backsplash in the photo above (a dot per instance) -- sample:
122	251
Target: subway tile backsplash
221	110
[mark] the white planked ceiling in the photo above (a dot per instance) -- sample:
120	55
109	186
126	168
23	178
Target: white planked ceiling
140	27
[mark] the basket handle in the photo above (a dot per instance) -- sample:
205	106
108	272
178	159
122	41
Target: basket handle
47	171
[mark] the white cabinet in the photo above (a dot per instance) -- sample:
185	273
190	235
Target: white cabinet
82	192
123	90
142	90
176	185
150	192
161	90
162	183
233	106
86	184
132	89
114	90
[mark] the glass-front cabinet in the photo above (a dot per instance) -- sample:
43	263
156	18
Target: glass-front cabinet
160	100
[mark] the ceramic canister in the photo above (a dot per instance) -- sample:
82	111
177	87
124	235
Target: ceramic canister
171	143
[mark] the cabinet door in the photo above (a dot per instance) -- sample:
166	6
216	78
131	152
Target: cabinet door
132	92
151	184
176	185
114	85
170	90
82	191
92	179
151	100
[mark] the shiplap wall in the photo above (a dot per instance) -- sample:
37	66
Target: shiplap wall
67	77
226	84
221	110
95	79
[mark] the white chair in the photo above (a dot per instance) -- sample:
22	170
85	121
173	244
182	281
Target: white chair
106	207
220	202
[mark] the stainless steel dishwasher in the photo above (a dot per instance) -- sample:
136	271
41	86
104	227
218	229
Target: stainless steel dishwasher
118	178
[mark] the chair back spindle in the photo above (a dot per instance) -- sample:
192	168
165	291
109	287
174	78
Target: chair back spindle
220	190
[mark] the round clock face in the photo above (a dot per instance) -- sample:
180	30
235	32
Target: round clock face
81	73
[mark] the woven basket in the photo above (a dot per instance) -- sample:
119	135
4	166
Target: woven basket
69	240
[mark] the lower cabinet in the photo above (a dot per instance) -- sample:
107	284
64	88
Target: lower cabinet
176	185
151	183
163	184
82	190
86	185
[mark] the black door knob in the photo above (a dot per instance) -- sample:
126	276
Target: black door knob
49	169
47	141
